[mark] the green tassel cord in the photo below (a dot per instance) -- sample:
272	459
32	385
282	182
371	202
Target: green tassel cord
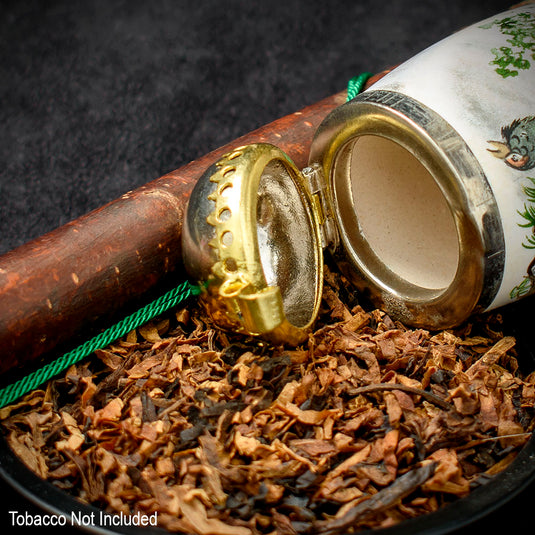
30	382
356	85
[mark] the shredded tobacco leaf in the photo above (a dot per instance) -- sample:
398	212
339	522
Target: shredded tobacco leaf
367	424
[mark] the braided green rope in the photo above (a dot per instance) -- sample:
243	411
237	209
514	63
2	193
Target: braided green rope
356	85
172	298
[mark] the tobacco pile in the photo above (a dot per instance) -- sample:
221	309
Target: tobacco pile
366	425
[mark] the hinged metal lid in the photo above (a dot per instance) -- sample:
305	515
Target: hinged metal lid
378	190
252	233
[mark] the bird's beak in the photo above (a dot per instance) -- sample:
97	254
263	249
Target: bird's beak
501	149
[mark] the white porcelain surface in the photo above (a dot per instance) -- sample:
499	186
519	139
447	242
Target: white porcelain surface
491	108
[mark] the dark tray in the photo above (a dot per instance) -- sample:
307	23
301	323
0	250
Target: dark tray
504	496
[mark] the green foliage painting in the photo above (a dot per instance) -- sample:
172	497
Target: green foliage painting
528	214
520	28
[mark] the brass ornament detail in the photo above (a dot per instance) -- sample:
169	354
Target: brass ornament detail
238	292
226	225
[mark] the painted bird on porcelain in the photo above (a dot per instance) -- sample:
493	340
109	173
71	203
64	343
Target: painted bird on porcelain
518	146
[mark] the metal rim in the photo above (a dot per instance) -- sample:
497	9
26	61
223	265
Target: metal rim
463	184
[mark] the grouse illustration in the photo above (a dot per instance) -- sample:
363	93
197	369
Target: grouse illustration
518	146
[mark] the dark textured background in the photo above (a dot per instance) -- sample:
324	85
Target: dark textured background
99	97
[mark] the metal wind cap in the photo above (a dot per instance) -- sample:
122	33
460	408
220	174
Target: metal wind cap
251	234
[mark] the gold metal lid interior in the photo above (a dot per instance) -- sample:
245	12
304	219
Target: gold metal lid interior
251	234
286	244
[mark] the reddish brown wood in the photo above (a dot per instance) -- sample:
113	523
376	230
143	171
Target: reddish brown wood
87	270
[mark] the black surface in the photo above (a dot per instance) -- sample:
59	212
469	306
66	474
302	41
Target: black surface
97	98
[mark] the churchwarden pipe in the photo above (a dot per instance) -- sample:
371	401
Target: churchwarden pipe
83	273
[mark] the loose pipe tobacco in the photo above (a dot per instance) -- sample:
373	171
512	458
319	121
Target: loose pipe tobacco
88	270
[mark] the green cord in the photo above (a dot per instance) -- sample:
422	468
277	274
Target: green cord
172	298
356	85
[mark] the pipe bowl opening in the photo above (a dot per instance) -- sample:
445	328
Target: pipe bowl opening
402	214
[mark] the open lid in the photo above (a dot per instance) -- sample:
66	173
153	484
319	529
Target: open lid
251	235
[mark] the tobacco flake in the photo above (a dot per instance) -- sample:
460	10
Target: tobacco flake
364	425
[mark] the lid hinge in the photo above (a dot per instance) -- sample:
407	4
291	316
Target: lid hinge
322	205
